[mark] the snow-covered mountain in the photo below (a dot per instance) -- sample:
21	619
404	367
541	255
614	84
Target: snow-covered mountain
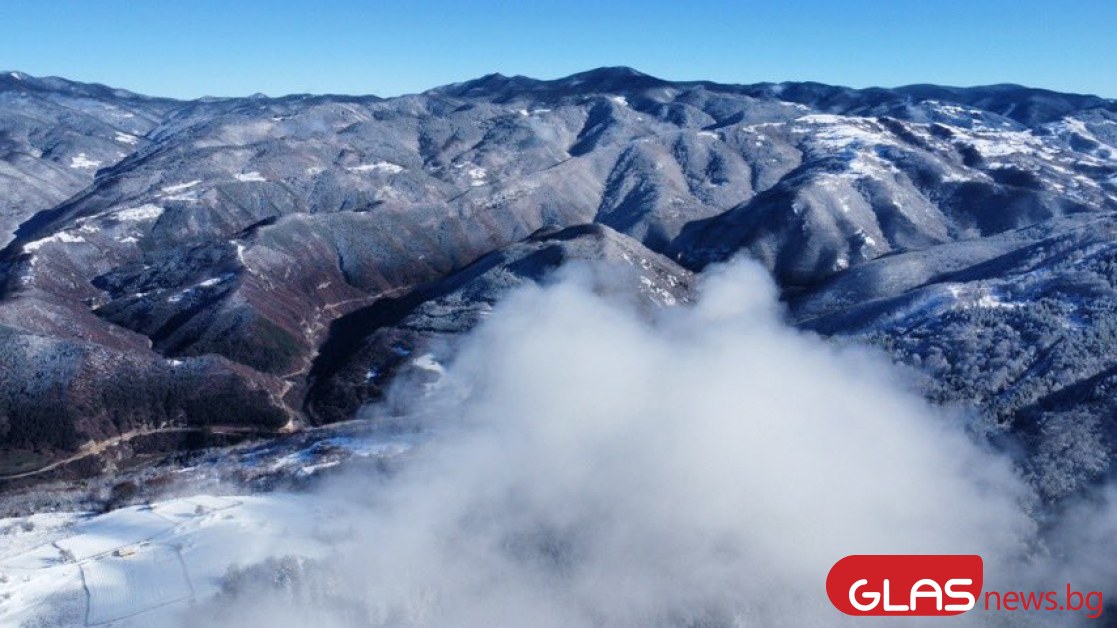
249	265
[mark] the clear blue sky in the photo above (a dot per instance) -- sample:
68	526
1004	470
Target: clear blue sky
236	47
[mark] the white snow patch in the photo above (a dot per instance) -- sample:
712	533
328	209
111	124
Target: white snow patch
821	118
983	297
991	301
179	187
125	138
380	166
620	100
61	236
955	110
206	283
477	176
143	212
240	253
958	177
213	281
247	177
81	161
311	469
142	565
1006	143
427	362
654	292
833	133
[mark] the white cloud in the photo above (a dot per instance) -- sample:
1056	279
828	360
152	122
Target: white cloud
592	467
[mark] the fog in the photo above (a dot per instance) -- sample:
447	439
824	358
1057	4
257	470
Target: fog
592	464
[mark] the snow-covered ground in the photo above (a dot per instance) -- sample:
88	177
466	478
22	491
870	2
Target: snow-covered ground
143	565
380	166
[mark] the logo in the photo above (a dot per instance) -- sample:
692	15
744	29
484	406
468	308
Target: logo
905	585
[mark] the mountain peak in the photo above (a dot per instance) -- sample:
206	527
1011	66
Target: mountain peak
612	78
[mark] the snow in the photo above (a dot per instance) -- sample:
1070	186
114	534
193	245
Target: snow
311	469
981	297
961	177
654	292
81	161
427	362
240	253
1074	126
182	191
120	586
61	236
709	134
21	534
180	187
834	133
821	118
149	564
15	75
99	537
956	111
620	100
477	176
208	283
991	301
1004	143
125	138
380	166
248	177
143	212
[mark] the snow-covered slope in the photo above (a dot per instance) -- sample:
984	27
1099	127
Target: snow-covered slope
147	565
207	276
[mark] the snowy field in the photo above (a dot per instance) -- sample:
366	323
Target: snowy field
146	565
146	578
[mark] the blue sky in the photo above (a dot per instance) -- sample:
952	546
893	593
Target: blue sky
194	48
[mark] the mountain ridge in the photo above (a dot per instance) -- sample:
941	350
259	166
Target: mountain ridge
219	241
619	72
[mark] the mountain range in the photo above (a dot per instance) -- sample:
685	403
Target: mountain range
247	266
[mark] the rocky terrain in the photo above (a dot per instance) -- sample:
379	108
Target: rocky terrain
259	264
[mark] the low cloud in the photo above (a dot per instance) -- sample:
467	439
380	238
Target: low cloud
594	465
